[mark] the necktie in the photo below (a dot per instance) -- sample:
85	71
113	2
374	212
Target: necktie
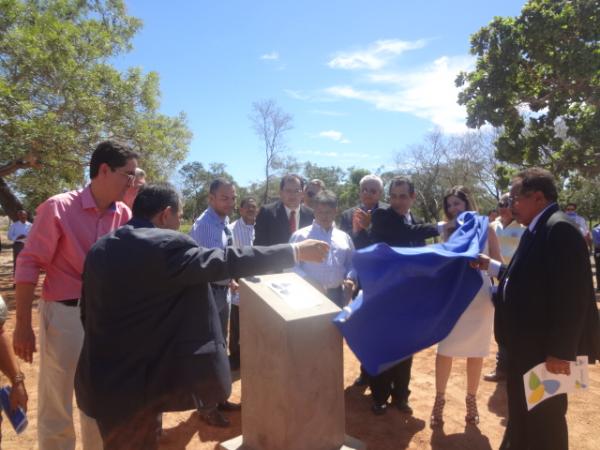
228	236
292	221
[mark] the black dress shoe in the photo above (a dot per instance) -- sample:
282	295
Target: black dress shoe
495	376
361	381
403	407
215	419
229	406
379	410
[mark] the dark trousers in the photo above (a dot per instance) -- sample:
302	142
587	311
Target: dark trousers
220	295
17	247
140	432
501	359
597	262
234	336
542	428
394	381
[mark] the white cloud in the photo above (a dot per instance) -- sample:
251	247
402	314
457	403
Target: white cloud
376	56
334	135
272	56
428	92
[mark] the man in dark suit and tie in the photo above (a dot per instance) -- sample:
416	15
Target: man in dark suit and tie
277	221
356	222
397	227
152	330
545	309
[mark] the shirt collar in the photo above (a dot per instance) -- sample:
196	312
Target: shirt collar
88	202
535	220
138	222
243	222
320	228
288	210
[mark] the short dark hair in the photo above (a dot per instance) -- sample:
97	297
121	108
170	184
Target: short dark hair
289	177
537	179
462	193
399	181
327	198
217	183
114	153
247	200
574	205
154	198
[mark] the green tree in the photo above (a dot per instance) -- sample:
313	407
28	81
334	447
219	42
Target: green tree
538	76
59	96
195	182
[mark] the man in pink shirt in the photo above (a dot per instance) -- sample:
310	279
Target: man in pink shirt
65	228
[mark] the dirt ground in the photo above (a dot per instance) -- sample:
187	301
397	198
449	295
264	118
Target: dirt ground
389	432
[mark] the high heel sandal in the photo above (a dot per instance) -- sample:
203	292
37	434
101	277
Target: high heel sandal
437	413
472	417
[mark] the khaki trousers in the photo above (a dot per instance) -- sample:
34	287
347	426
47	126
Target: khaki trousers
61	339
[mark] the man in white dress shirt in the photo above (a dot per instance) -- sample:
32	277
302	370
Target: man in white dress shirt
335	276
17	233
242	231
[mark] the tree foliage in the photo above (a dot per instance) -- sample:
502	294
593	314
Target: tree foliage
59	95
538	76
441	162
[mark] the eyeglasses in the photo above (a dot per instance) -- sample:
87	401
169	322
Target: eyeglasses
130	176
311	194
517	198
371	191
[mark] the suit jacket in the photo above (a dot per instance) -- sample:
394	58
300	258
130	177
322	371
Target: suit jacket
152	330
272	224
545	303
389	227
360	239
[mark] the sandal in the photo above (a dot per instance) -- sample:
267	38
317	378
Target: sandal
437	413
472	417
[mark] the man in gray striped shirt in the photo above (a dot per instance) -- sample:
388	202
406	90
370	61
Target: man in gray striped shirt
242	231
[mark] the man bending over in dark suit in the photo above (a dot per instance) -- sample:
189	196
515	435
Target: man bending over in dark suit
152	330
545	309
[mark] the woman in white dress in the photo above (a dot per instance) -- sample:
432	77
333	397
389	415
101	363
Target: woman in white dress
470	338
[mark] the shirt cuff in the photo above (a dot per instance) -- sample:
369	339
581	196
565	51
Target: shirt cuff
440	228
494	268
295	249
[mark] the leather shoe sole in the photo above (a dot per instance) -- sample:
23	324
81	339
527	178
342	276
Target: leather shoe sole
229	406
494	377
379	410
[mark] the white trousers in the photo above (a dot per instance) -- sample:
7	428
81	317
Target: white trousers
61	339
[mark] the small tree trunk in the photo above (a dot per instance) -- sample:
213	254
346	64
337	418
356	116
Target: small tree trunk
9	202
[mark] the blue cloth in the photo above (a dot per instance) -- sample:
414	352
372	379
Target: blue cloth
412	297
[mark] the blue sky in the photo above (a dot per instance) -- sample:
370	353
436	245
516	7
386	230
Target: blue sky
363	80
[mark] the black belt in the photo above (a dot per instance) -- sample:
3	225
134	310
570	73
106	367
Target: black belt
221	287
70	302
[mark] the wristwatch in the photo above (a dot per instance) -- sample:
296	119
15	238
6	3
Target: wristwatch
18	379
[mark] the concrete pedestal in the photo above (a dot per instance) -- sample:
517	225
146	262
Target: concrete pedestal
292	368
